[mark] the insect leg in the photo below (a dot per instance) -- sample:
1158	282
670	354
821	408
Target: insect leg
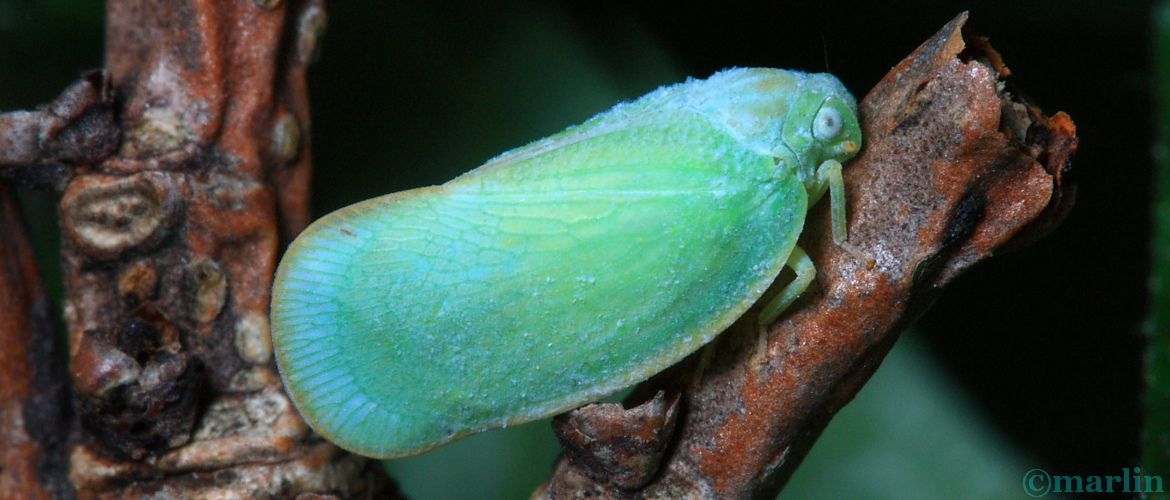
829	174
805	273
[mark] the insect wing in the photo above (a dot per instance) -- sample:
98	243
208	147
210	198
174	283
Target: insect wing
552	276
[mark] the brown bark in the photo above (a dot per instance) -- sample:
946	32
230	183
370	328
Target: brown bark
169	250
186	164
181	173
954	168
32	378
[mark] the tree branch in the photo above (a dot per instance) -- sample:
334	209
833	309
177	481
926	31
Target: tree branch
182	166
954	167
77	128
33	392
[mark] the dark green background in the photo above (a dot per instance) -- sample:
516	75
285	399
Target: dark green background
1033	360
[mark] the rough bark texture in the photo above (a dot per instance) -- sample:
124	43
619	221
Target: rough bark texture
32	378
954	168
185	165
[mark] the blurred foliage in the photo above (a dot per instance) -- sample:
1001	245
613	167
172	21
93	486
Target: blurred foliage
911	433
1033	361
1156	437
508	463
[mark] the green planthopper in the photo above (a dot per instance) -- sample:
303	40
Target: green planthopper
562	271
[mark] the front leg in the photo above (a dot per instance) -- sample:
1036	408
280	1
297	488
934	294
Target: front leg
829	176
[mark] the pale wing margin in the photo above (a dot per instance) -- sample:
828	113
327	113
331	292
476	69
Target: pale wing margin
312	332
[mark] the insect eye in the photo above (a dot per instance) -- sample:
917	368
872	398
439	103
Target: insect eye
827	124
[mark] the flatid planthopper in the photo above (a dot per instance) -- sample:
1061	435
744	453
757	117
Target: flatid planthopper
562	271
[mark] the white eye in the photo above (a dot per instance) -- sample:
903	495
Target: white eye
827	124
